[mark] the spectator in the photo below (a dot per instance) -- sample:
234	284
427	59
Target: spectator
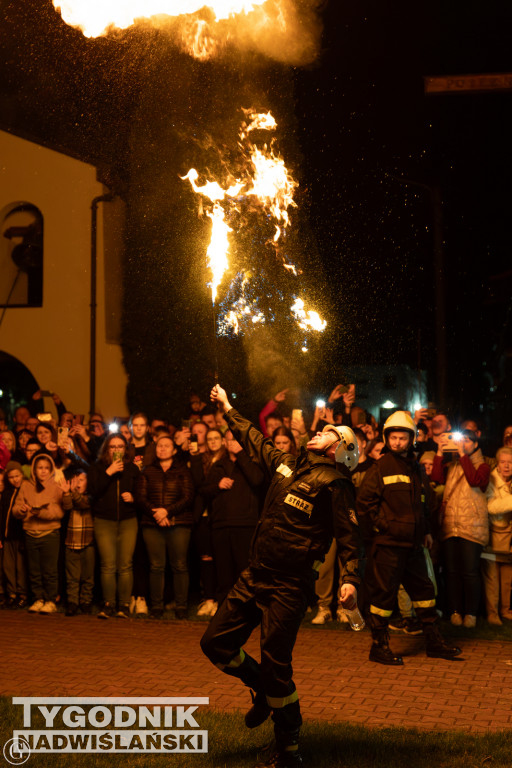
283	439
374	448
497	576
165	492
79	546
12	539
32	447
39	505
464	525
111	482
143	448
232	486
507	436
21	414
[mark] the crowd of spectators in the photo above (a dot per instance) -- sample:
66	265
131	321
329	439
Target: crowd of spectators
122	520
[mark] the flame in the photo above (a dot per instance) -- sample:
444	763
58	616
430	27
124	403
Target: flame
267	187
307	320
96	17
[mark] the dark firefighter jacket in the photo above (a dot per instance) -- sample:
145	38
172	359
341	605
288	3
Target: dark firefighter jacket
308	502
393	502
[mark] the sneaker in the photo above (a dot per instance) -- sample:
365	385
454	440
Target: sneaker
49	607
214	608
157	613
398	624
341	616
141	607
205	608
456	619
123	612
506	614
494	620
36	607
413	626
21	602
469	621
106	611
72	609
259	712
322	617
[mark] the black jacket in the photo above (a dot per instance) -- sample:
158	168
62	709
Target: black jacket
392	502
106	491
239	506
308	502
173	490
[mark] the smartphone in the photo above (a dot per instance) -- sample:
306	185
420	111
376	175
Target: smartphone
46	416
185	423
46	393
296	413
431	412
117	455
193	444
62	436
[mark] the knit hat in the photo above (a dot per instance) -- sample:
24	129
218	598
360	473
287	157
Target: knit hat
427	456
13	465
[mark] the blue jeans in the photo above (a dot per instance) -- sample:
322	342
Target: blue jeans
42	559
462	572
116	543
174	540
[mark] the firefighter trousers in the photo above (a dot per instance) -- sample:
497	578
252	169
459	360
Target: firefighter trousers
278	605
388	567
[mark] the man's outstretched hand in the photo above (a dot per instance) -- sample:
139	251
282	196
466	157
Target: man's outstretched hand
218	395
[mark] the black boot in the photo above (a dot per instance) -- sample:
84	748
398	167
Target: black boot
437	647
259	712
284	752
380	650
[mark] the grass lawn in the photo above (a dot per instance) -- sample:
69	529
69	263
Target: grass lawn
324	745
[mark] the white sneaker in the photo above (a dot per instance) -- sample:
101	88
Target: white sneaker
49	607
141	606
133	603
205	608
469	621
456	619
341	616
36	607
213	609
322	617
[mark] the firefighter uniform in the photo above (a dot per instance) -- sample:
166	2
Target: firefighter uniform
308	502
393	519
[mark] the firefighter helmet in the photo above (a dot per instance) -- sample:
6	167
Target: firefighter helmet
347	451
400	421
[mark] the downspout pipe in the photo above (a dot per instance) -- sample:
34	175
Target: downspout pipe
107	198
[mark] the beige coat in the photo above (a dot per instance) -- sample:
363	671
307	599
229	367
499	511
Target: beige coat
499	504
46	512
464	507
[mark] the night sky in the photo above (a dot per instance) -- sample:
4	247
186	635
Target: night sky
357	124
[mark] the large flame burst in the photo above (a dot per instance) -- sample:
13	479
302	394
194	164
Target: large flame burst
264	189
96	17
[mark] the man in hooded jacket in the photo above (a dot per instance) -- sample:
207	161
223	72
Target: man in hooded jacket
310	499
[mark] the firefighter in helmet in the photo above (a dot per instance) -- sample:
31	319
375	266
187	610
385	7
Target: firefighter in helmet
310	500
393	513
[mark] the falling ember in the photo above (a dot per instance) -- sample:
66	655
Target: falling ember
96	17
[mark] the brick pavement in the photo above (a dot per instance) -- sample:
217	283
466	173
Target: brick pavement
83	656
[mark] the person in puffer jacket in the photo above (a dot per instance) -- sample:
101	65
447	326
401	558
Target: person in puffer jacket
39	505
165	493
464	525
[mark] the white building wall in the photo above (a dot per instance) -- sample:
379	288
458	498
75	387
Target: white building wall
52	341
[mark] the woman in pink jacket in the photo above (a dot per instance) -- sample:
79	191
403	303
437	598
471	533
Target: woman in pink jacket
39	506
